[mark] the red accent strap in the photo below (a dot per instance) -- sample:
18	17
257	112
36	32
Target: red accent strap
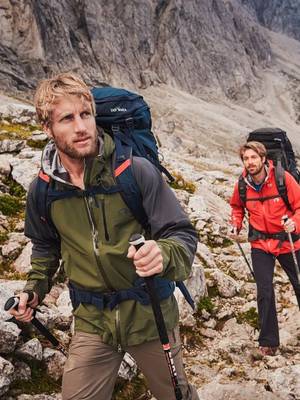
44	177
122	167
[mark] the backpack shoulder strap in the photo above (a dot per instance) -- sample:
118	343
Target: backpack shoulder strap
43	201
130	190
281	184
42	187
242	187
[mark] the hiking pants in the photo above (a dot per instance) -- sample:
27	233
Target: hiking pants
92	368
263	266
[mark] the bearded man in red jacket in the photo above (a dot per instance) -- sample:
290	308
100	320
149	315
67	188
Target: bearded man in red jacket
268	234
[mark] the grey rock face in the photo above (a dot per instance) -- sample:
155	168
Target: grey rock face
6	375
191	45
9	334
277	15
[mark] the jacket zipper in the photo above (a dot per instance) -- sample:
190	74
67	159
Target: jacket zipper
118	329
104	220
95	237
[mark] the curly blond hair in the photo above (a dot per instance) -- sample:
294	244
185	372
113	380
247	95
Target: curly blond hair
49	90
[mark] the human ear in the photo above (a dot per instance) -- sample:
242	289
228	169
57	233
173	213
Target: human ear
47	129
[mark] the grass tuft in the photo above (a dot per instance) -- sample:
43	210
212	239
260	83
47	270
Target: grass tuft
250	316
181	183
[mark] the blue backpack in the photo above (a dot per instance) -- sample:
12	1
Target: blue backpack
126	117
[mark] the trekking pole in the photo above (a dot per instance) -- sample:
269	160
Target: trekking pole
245	258
284	219
13	302
138	241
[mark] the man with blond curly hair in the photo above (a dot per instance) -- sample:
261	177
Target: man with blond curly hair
90	237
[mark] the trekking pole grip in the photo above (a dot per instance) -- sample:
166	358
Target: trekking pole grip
138	241
14	301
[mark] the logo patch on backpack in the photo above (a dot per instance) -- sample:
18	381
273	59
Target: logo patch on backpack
118	109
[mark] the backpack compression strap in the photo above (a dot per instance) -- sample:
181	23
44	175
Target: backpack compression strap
42	188
281	184
242	187
130	191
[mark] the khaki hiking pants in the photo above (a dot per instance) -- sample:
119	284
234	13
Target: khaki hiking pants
92	368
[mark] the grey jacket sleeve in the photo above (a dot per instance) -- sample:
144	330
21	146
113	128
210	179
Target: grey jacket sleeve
46	247
170	226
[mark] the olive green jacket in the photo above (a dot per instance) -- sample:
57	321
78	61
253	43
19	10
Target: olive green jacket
93	241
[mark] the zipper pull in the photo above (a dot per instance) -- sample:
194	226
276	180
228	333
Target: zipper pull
95	242
120	350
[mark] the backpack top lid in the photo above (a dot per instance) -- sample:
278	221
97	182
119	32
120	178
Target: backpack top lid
268	130
270	137
277	144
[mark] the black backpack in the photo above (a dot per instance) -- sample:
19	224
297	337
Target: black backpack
280	151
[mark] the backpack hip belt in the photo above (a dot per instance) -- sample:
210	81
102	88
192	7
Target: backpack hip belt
255	234
138	292
110	299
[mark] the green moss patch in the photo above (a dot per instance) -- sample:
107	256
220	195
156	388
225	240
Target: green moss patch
250	316
190	337
3	237
15	189
206	304
37	144
135	389
212	291
183	184
16	131
11	205
40	381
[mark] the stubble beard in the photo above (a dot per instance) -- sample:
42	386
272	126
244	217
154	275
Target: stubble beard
257	172
71	152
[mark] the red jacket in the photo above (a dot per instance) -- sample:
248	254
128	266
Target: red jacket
266	216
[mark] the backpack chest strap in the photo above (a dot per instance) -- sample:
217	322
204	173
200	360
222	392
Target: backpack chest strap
262	199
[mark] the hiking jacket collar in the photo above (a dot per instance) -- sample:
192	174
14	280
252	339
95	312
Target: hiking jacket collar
52	166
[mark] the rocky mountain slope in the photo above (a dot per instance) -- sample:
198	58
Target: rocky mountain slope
200	128
278	15
207	48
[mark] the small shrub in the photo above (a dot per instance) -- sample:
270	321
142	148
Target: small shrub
40	381
14	131
250	316
10	205
205	304
37	144
15	189
181	183
130	390
3	237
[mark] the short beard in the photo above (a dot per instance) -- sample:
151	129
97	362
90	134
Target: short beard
73	153
259	171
